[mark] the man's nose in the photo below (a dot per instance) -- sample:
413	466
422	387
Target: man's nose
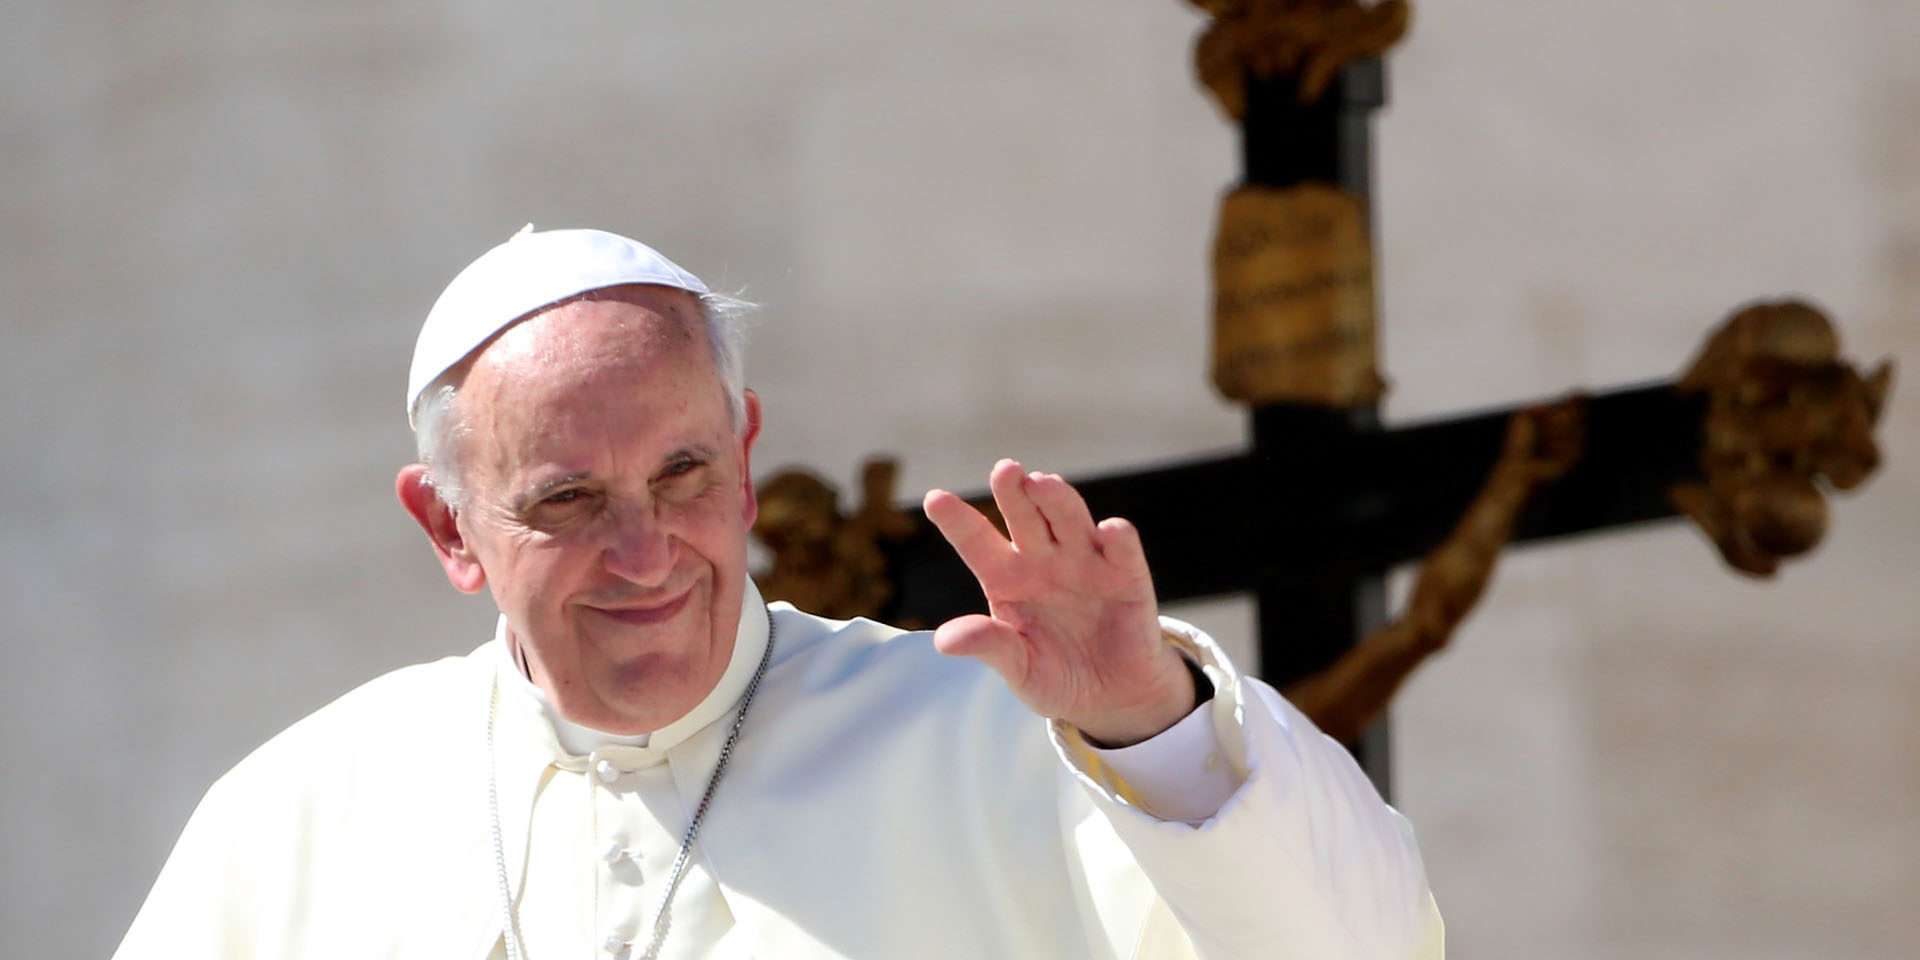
642	550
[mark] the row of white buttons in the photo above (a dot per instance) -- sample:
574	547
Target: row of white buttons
615	852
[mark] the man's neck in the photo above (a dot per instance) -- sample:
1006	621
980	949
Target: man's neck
576	739
750	642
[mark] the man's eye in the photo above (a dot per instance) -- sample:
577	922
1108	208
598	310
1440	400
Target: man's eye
679	467
566	496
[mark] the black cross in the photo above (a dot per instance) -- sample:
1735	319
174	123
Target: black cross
1326	501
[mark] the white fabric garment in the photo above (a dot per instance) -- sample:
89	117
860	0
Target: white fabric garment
883	801
1180	771
1180	774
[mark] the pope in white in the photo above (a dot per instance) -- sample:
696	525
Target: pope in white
647	761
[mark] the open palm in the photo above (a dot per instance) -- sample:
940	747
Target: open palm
1072	626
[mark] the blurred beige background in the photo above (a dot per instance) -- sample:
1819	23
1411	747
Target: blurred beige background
981	230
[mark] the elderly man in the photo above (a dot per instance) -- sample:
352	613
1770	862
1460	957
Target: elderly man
647	760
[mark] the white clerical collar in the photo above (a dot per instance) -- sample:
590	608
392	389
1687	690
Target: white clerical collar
749	643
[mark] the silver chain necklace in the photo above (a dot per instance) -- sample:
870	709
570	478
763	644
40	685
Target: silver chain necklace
664	918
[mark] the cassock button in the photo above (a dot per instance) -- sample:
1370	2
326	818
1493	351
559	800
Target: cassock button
615	944
616	851
606	771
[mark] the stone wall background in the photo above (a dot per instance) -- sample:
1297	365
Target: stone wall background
981	230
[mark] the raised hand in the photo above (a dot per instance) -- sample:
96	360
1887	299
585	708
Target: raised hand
1073	626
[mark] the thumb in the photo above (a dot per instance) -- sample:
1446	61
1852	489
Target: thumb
983	638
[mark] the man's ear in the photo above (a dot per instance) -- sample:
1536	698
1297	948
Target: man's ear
434	516
749	432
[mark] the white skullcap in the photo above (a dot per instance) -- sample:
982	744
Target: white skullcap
531	270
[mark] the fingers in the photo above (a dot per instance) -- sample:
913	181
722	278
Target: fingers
1064	510
1024	522
974	538
983	638
1119	542
1041	511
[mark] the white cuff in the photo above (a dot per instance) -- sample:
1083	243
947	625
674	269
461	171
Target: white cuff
1179	773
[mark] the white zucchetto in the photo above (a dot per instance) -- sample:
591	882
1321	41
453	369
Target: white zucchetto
530	271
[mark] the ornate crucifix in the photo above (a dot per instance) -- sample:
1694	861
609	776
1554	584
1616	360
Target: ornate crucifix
1326	500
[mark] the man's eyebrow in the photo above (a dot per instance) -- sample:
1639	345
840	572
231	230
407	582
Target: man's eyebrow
698	452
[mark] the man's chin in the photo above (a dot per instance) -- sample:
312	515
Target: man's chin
650	692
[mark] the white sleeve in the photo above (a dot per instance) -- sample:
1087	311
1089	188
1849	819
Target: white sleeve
1179	774
1302	860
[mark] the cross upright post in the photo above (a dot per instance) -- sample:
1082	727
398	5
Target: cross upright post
1306	624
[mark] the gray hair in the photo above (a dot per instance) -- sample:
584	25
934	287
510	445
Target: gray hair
439	433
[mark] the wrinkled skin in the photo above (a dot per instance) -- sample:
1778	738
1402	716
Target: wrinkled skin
609	498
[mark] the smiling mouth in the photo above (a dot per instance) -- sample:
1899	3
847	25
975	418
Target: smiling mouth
646	616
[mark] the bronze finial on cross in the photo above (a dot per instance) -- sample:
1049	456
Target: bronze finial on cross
1326	500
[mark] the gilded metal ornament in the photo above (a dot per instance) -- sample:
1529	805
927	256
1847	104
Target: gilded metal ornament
1308	39
824	561
1787	420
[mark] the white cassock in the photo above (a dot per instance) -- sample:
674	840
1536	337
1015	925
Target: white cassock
883	801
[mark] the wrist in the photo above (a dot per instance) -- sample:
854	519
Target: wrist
1184	689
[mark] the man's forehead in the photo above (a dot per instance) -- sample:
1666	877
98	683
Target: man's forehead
608	326
616	372
589	419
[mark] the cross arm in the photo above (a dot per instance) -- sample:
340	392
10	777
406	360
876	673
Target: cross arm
1409	485
1323	496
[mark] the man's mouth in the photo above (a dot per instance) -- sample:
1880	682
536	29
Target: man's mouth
641	615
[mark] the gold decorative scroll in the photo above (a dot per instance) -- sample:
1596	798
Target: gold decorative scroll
1309	39
1787	420
825	561
1293	316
